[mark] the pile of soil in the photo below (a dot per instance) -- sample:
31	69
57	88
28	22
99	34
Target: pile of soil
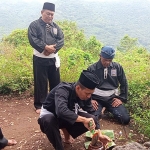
18	120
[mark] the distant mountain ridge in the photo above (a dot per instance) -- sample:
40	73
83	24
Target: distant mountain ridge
108	21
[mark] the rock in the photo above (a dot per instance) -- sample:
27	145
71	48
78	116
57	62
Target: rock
147	144
130	146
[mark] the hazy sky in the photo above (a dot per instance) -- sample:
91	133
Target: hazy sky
85	0
53	1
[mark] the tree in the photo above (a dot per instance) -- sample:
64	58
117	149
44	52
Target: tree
127	43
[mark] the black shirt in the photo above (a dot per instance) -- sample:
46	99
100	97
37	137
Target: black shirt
61	102
115	78
39	38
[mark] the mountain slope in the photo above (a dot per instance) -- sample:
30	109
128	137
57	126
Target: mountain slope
108	21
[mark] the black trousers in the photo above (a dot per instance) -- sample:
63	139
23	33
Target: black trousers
44	76
120	113
3	140
50	125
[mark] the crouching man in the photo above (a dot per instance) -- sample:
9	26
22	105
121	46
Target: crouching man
68	107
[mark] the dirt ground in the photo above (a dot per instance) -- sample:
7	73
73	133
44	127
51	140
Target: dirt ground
18	120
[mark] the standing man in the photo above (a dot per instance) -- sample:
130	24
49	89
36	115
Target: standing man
68	106
113	89
47	39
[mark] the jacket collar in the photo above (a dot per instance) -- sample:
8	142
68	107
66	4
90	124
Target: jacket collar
99	65
43	23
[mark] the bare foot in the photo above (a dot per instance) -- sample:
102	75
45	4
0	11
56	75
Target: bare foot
67	137
38	111
103	109
69	141
11	142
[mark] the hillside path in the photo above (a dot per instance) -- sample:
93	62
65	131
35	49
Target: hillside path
18	120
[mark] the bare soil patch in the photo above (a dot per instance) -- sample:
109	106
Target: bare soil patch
18	120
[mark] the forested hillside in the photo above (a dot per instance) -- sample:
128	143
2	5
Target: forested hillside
108	21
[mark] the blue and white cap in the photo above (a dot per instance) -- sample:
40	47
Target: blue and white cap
107	52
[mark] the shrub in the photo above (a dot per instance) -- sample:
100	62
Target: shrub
17	38
73	61
16	70
136	63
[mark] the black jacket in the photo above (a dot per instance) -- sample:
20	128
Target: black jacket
113	80
61	102
39	38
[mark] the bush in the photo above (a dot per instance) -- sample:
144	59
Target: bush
17	38
73	61
16	70
136	63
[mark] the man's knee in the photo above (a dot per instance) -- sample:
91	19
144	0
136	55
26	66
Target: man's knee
122	115
126	120
46	122
98	113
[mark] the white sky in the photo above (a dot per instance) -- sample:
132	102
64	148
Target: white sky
114	0
101	1
42	1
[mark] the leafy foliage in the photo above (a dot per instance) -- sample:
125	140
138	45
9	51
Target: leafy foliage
77	54
73	61
136	63
109	133
73	36
17	38
16	69
76	38
127	43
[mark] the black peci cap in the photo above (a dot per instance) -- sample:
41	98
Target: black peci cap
49	6
88	79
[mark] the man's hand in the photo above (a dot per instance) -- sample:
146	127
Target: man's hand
116	102
87	122
46	53
103	138
94	104
50	48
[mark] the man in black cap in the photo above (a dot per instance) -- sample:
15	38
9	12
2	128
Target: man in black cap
47	39
68	107
112	91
